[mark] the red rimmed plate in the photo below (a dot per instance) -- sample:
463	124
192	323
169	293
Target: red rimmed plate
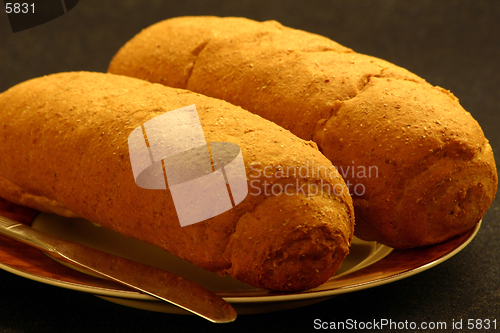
369	264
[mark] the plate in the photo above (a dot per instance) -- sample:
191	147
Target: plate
368	264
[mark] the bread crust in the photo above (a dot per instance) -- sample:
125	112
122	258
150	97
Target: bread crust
64	150
436	175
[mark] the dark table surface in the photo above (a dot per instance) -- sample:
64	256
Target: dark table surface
453	44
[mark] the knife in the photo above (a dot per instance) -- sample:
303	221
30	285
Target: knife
158	283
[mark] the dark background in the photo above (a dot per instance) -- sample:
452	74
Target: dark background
453	44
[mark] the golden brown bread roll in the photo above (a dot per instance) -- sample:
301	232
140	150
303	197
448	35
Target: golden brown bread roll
417	164
64	149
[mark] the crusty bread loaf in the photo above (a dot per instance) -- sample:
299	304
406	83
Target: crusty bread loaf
417	164
64	150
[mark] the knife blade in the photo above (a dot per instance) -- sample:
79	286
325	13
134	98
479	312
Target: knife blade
150	280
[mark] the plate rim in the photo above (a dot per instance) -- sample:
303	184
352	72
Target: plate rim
269	296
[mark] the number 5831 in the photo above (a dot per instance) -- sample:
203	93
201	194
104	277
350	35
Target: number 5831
19	8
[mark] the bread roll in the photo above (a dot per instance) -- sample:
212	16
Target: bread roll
64	149
417	164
